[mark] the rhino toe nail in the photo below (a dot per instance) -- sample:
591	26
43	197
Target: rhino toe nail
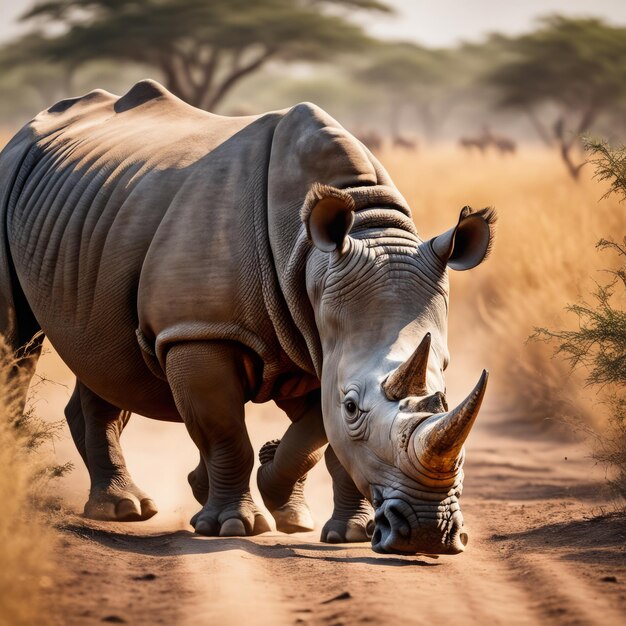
333	537
148	508
260	525
356	533
203	527
127	510
233	528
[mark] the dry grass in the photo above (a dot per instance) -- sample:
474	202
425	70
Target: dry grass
26	540
544	258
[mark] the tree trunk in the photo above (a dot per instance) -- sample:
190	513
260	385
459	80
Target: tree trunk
566	144
213	97
572	168
541	130
202	90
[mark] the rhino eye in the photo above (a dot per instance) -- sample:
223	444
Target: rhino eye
355	418
351	408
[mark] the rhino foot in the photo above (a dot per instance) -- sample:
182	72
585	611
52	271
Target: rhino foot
119	504
235	519
293	515
358	528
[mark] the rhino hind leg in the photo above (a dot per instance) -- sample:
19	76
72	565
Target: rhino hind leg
96	427
23	339
208	383
353	516
286	462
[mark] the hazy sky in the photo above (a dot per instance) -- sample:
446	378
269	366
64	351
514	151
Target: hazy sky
445	22
435	22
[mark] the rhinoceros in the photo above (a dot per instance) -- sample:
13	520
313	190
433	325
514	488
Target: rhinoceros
183	263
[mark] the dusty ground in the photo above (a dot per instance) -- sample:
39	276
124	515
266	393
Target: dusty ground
543	546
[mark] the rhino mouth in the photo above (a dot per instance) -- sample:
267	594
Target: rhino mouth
418	528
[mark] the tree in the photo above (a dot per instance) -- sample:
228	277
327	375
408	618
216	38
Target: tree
202	48
22	67
577	66
409	75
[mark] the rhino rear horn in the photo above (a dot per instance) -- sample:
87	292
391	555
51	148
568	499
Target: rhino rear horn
439	446
409	379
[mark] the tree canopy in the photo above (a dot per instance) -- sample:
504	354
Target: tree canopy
408	75
577	66
201	48
567	77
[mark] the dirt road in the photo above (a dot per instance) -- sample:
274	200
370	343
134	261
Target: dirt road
542	550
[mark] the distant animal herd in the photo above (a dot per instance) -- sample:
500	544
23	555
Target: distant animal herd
482	142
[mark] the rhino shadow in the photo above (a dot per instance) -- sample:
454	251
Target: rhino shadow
184	542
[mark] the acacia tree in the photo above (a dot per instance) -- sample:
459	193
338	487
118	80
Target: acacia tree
202	48
21	66
409	76
576	66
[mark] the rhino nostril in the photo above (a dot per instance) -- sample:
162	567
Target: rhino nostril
382	522
397	521
382	530
391	524
377	537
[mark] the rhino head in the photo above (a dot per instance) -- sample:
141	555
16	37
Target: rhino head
380	297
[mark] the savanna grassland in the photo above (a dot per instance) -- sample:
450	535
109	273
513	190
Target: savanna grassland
544	258
542	550
27	540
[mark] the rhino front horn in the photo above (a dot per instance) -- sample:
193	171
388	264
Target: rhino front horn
439	443
410	377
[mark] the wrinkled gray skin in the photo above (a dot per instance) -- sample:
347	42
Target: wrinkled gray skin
183	263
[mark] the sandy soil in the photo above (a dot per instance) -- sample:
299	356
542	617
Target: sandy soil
544	548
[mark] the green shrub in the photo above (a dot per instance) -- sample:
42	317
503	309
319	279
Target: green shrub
598	345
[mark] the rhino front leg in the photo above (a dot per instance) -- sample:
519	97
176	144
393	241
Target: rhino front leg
208	381
353	515
285	463
96	427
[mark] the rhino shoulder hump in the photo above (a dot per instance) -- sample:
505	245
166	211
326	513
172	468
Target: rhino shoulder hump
140	93
65	112
97	96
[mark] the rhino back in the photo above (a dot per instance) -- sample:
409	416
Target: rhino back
98	178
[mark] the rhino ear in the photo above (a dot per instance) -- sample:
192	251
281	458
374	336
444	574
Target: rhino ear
469	243
328	215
